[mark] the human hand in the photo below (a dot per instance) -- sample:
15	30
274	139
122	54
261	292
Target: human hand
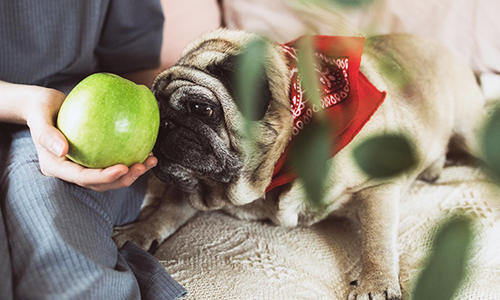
52	148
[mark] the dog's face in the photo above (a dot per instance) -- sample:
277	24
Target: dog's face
201	143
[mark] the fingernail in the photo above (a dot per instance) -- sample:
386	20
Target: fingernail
153	164
136	175
57	148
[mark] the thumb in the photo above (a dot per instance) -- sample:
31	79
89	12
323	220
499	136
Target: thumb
41	119
53	140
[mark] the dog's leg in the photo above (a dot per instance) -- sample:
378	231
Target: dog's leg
165	210
379	217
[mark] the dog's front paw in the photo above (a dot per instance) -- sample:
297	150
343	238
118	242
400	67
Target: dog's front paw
376	288
145	238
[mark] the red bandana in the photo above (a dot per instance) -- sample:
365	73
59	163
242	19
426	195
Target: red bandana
348	98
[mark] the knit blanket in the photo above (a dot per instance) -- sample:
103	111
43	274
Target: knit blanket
215	256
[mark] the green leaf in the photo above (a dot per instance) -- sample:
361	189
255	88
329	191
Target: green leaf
491	142
342	3
311	147
307	71
249	80
385	156
309	158
446	266
352	3
393	70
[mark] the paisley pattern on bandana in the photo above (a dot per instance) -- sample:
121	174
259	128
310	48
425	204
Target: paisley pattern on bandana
348	98
334	86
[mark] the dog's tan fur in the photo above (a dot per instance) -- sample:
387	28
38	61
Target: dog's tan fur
438	102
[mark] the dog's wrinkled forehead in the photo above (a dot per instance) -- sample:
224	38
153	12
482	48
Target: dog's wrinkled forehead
213	63
222	41
210	52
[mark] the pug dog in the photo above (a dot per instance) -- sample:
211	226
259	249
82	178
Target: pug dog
205	162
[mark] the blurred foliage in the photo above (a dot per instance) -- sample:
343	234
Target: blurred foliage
393	71
491	142
249	81
380	156
311	148
385	155
309	159
446	265
308	75
351	3
341	3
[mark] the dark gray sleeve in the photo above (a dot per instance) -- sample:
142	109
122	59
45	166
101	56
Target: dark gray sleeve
131	37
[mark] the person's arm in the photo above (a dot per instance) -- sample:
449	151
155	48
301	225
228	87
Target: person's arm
37	107
184	22
14	100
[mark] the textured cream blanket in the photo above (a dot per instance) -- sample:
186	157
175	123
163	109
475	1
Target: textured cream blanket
218	257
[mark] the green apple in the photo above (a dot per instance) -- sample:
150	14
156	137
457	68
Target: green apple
109	120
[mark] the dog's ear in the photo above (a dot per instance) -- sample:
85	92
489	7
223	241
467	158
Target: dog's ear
229	71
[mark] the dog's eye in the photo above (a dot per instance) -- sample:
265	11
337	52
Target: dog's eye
201	109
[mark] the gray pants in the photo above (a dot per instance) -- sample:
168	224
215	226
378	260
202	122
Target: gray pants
55	237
